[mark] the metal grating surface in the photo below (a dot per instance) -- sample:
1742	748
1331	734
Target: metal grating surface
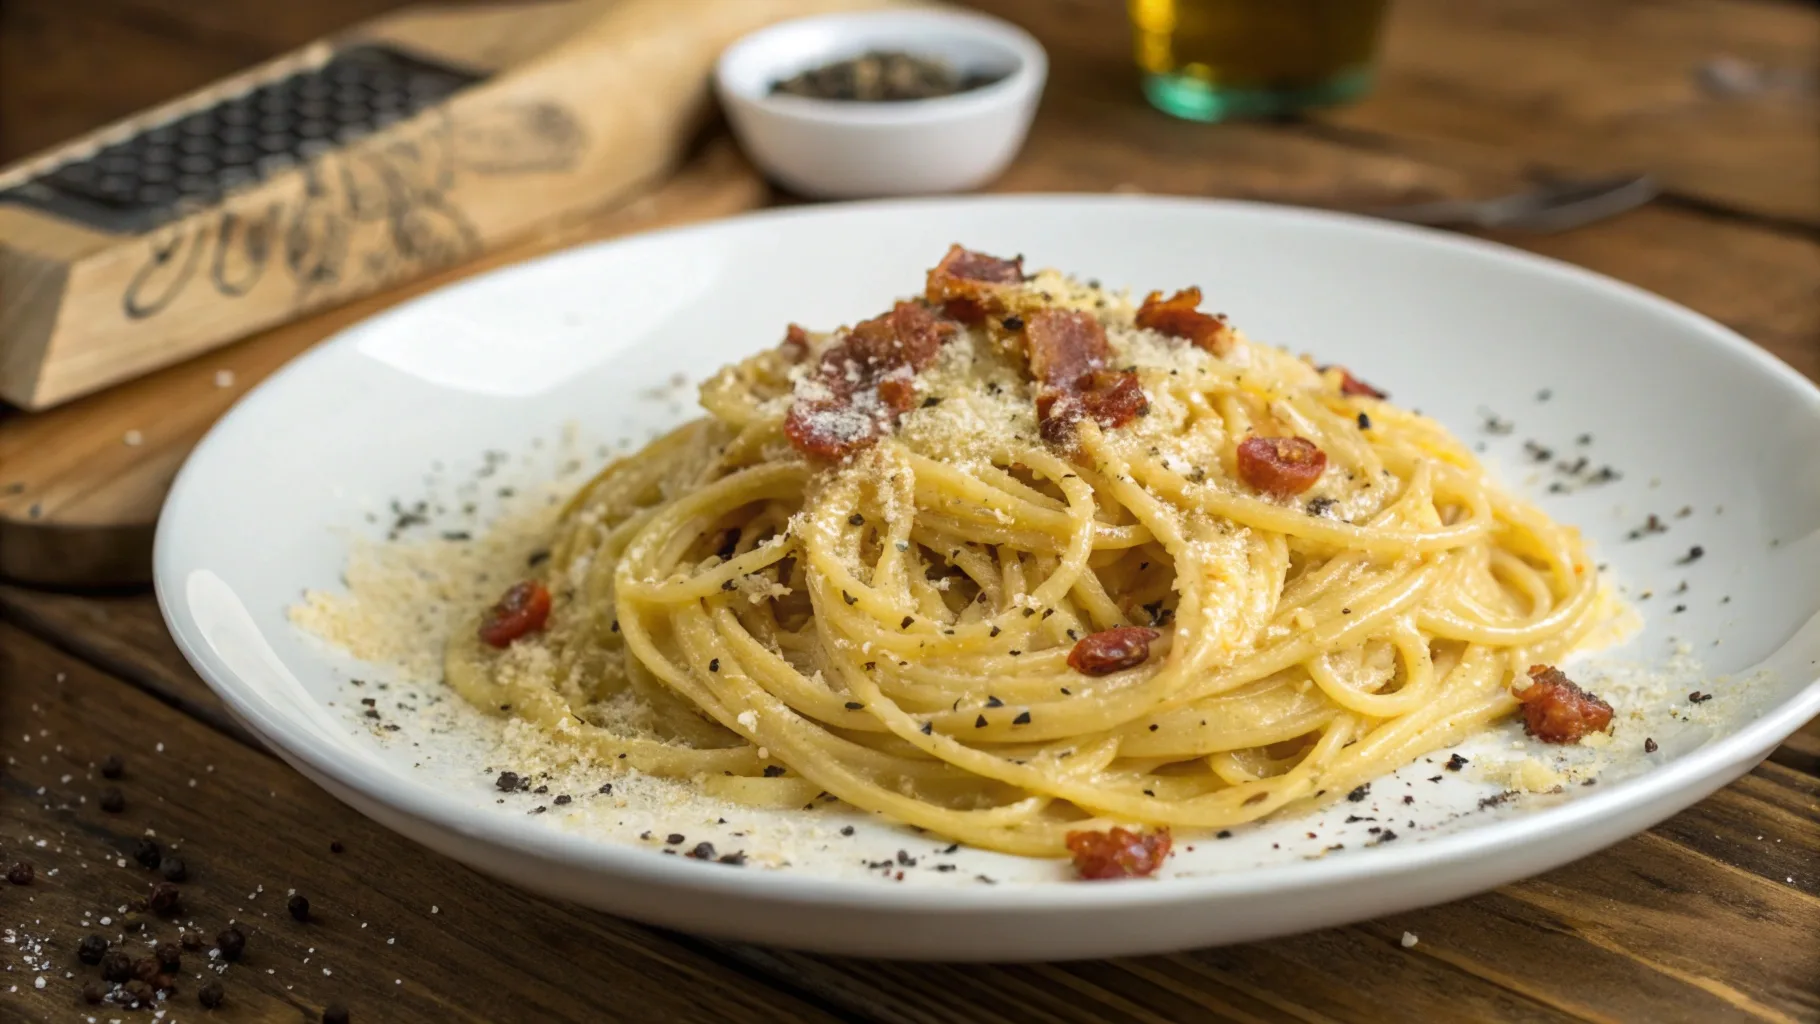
162	172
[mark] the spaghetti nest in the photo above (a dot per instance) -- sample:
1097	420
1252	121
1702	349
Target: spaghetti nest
933	566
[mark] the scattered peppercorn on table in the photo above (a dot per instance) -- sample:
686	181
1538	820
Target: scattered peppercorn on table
145	836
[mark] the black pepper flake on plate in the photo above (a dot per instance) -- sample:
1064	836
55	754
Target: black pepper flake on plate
1649	745
846	830
540	790
606	788
112	800
1359	793
1694	554
1697	697
1456	762
563	799
714	664
702	851
299	907
736	859
112	767
675	838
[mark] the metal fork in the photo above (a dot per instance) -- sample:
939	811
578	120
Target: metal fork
1554	206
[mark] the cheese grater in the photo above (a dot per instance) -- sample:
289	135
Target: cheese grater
406	144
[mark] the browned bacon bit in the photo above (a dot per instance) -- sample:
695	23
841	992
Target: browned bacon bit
1179	316
1350	385
1110	650
865	381
795	344
1112	398
1118	853
1280	466
524	609
1556	710
964	283
1064	345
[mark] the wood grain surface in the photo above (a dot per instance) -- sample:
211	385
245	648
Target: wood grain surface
1711	916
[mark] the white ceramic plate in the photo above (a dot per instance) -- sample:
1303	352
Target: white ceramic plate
1691	416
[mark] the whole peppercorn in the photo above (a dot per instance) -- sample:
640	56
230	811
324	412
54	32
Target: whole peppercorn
231	943
147	854
112	800
191	941
93	993
175	870
139	993
116	966
169	956
299	906
211	995
21	873
91	950
113	767
166	898
335	1014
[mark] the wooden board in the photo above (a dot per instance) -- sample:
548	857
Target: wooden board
80	486
88	301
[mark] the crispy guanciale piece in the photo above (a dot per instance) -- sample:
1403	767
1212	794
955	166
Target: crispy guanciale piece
1068	353
1179	316
1350	385
1111	398
1064	346
866	381
1118	853
1110	650
967	285
1556	710
524	609
1280	466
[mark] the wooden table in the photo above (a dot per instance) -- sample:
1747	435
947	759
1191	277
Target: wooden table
1711	916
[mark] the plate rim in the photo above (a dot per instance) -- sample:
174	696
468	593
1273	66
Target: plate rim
1655	789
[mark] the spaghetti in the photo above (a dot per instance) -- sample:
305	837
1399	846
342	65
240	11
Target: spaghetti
1021	559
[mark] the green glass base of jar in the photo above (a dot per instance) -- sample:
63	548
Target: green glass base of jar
1193	99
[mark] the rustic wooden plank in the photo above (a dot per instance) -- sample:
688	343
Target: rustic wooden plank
1685	944
396	933
1619	89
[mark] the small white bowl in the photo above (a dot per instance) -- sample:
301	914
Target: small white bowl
835	149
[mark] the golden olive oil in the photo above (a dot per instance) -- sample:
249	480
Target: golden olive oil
1213	59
